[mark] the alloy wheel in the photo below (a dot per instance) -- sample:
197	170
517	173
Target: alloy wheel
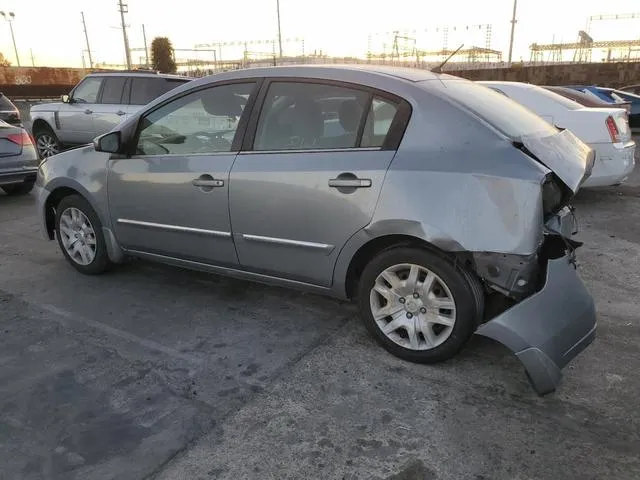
47	145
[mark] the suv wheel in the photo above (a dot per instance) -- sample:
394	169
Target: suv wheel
47	143
417	304
79	234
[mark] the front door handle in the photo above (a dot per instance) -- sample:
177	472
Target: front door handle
88	112
120	113
346	182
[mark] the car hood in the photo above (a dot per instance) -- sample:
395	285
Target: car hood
46	107
563	153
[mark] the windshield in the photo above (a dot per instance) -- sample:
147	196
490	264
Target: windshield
512	119
5	104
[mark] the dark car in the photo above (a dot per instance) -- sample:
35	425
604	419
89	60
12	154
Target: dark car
579	97
632	89
8	111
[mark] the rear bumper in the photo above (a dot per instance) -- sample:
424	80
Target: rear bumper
613	164
18	176
549	328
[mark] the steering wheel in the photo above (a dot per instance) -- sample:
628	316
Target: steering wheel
216	138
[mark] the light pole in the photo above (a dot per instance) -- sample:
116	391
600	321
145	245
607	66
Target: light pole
513	28
9	18
279	31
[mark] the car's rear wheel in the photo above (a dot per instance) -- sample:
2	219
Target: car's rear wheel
417	304
79	234
47	143
18	188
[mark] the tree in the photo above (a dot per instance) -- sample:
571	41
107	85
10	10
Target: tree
4	62
162	55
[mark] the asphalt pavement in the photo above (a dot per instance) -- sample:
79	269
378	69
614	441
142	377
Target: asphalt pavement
150	372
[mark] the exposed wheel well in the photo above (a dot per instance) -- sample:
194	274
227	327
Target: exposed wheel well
40	124
52	203
377	245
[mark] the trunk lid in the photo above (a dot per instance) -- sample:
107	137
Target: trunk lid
563	153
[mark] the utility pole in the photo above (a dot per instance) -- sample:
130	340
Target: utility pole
86	37
279	31
33	62
124	9
13	37
146	48
513	28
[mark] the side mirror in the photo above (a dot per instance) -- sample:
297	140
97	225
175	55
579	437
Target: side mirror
65	99
109	143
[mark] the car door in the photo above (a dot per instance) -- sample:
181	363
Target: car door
311	175
109	111
170	198
75	119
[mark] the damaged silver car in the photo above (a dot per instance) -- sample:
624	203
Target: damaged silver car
438	205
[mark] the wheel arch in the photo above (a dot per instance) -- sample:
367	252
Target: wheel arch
346	277
40	124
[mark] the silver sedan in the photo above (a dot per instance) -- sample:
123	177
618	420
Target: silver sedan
439	206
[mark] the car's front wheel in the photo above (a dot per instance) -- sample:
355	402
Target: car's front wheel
418	305
79	234
47	143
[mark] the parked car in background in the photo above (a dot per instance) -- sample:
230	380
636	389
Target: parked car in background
9	112
96	105
424	197
617	97
580	97
635	89
18	160
604	130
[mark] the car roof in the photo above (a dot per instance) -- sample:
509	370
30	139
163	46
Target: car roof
138	74
497	83
328	71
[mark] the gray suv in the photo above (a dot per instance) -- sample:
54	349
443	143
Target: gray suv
96	105
440	206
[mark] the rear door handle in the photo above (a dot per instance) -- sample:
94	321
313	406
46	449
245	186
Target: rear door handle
120	113
350	182
88	112
206	182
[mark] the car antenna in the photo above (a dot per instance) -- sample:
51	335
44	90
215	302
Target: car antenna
438	69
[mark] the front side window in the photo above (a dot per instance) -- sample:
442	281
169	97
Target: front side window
304	116
112	90
87	90
201	122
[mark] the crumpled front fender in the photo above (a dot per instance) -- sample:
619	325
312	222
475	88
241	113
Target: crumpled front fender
549	328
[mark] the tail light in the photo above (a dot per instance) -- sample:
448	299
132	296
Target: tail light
613	129
21	139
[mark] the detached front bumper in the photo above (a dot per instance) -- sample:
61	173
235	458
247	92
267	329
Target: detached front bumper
549	328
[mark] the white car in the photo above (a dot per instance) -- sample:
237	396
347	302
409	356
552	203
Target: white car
605	130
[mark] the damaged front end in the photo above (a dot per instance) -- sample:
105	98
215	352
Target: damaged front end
547	316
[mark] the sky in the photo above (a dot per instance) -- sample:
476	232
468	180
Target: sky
53	30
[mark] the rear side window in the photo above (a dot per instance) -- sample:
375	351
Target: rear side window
512	119
304	116
144	89
379	121
112	90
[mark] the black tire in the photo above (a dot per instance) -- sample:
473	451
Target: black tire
100	262
43	135
19	188
459	283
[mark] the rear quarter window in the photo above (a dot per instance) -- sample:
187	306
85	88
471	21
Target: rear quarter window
504	114
6	104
